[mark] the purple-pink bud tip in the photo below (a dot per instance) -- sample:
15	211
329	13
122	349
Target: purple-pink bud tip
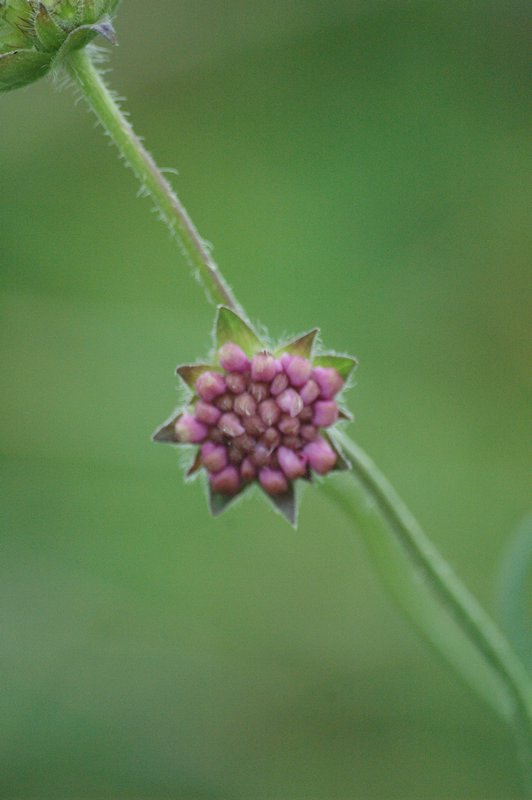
294	465
328	380
210	385
263	367
325	413
213	456
231	425
189	431
227	481
232	358
273	481
290	402
207	413
321	456
298	370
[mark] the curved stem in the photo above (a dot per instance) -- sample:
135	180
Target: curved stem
84	73
368	499
424	584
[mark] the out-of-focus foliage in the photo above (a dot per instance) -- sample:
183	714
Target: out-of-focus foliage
358	166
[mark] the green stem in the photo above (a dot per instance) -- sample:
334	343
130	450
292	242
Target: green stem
84	73
423	583
433	596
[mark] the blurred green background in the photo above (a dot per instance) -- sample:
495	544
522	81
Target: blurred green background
359	166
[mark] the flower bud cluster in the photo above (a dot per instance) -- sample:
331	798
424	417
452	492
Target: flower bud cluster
34	34
261	419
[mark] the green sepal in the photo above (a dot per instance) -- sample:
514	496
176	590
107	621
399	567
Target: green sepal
229	327
12	37
50	35
165	433
84	34
189	373
21	67
302	346
195	466
218	502
344	365
286	504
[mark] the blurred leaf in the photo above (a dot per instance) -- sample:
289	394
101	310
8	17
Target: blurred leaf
514	591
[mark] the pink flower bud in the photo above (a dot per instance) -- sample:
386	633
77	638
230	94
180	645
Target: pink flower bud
245	443
260	391
210	385
271	438
263	367
309	392
236	383
253	425
213	456
247	470
321	456
290	402
294	465
273	481
230	425
189	430
279	384
285	359
227	481
245	405
206	413
289	425
261	455
235	454
225	402
232	358
293	442
216	435
328	380
269	412
306	414
298	370
308	433
325	413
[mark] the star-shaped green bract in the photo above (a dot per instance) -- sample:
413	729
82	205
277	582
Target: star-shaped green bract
262	415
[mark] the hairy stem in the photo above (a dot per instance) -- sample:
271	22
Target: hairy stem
433	596
422	582
86	76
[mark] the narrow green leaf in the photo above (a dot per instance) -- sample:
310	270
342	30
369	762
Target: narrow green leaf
301	346
229	327
344	365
